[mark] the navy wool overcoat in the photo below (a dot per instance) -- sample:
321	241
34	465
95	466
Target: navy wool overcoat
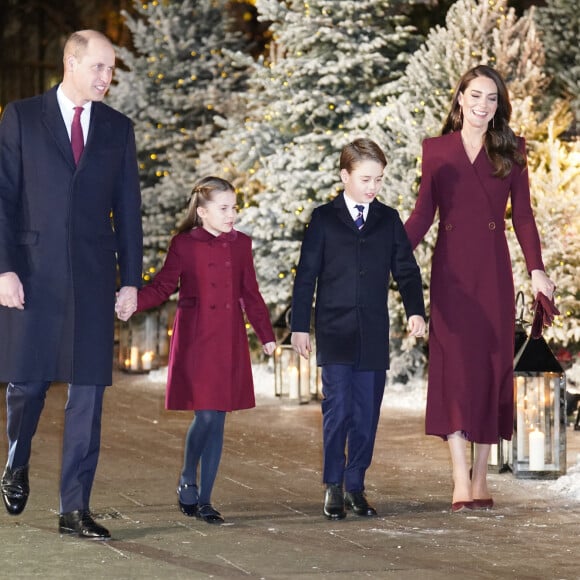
63	230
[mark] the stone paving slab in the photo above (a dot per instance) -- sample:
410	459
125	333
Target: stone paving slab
269	490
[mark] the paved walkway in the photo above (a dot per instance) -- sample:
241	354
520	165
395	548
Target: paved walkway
269	491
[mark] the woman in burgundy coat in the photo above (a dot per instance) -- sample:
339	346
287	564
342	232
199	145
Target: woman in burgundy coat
209	361
469	174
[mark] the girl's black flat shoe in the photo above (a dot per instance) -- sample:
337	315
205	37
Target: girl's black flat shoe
188	509
209	514
187	491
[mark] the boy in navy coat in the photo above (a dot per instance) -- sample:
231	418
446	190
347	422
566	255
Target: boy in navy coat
351	247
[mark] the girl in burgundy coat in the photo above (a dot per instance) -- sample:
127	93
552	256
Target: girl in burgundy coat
209	361
468	175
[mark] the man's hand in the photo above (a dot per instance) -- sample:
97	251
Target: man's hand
301	343
416	325
11	291
126	302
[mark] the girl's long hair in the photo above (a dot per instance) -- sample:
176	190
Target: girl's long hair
201	194
500	143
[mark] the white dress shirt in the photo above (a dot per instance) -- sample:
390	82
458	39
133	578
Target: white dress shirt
350	204
67	110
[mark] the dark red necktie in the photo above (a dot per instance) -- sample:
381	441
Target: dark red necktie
76	135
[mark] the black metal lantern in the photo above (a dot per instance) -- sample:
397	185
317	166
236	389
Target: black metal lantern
539	439
295	377
139	342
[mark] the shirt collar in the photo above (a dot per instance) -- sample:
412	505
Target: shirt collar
351	202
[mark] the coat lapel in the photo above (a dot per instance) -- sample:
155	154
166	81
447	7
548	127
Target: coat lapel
343	214
54	123
479	166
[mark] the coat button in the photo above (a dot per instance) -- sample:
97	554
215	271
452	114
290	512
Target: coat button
228	264
491	225
228	306
448	227
212	306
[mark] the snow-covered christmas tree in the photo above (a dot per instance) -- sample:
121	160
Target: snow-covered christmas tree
555	184
559	27
329	61
476	32
177	79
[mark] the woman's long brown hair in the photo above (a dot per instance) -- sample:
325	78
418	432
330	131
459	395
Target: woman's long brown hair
500	142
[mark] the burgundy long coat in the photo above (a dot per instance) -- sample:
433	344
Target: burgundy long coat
471	329
209	358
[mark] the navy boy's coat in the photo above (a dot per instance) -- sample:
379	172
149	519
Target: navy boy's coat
350	269
57	234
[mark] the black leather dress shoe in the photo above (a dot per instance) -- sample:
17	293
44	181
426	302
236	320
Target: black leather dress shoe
334	502
209	514
15	489
82	524
357	502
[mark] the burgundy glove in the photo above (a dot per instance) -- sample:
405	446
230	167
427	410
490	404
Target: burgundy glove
544	312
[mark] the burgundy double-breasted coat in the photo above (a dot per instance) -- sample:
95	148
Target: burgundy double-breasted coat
471	329
209	360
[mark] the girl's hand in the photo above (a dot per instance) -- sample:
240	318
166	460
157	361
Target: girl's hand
269	348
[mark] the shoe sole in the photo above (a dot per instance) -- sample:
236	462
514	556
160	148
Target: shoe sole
334	516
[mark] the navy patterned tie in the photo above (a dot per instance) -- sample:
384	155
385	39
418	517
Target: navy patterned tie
359	221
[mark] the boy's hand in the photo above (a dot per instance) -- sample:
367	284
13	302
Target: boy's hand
301	343
269	348
416	325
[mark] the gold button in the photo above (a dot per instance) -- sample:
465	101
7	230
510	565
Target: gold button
491	225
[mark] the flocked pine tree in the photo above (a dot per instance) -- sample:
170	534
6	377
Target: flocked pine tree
329	60
476	31
555	183
559	25
172	85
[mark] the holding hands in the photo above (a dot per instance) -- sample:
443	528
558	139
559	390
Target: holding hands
416	325
11	291
126	303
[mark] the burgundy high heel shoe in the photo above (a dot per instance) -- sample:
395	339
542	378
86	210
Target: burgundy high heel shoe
460	506
482	504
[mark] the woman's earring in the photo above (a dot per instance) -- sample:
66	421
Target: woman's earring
493	122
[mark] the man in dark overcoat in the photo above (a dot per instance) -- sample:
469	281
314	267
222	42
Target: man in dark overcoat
351	248
69	215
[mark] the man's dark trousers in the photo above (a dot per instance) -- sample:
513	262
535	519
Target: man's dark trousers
81	440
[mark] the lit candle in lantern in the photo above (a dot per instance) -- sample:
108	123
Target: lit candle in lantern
521	432
294	382
134	358
537	439
146	360
493	454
